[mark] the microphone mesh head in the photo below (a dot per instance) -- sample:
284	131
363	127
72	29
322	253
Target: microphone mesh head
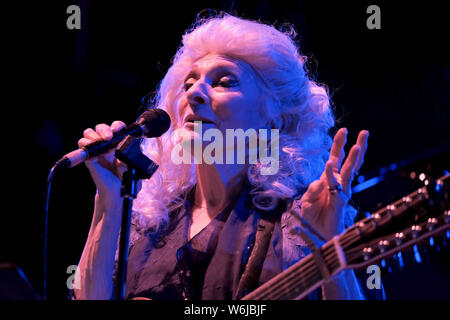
155	121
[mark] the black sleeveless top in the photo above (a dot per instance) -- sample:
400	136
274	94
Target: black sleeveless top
209	265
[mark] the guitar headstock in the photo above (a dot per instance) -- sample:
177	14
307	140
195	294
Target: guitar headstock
383	234
385	247
406	222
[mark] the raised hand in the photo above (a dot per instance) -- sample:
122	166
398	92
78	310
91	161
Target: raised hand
323	204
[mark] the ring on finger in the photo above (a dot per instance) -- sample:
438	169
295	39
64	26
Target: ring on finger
335	189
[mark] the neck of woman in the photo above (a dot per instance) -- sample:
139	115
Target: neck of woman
218	185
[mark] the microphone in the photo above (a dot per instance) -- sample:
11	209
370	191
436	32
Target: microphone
152	123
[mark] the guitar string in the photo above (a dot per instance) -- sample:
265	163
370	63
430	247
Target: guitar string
303	274
332	261
276	285
283	287
279	287
301	280
304	278
285	291
305	271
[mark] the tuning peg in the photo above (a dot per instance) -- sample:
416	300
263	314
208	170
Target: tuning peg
386	265
391	208
415	230
399	237
406	201
382	245
431	223
422	176
447	216
422	191
367	252
376	216
439	185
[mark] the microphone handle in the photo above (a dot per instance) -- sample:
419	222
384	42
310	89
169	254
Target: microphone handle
97	148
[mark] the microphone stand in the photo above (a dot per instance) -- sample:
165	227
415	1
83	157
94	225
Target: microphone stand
138	167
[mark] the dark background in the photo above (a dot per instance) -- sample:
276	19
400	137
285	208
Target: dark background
393	82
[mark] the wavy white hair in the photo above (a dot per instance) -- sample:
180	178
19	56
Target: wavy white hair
291	102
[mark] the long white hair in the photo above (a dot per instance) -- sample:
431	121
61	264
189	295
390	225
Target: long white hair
291	102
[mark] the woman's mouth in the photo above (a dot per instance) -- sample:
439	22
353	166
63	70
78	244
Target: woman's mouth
199	119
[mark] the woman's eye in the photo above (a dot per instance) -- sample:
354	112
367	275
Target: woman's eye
226	82
187	85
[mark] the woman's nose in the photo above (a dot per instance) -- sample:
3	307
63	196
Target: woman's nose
197	95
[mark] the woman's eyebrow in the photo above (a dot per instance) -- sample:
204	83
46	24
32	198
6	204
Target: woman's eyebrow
191	74
224	69
219	69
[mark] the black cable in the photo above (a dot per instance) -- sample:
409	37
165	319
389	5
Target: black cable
47	198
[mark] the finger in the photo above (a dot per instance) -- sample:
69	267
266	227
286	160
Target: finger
117	126
362	142
104	131
337	149
340	160
348	168
331	178
91	134
84	142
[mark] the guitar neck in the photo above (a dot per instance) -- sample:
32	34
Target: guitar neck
298	280
305	276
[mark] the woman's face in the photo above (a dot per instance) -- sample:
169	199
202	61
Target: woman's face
221	92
